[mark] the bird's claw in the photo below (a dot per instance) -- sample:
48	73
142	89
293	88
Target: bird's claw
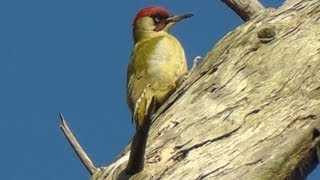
195	63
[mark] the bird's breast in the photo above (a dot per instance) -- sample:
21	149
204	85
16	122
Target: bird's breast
167	60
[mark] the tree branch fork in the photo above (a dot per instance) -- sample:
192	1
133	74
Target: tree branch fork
246	9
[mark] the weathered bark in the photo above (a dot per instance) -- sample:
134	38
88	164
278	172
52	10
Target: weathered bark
249	111
246	9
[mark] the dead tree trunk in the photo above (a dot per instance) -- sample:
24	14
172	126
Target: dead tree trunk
250	110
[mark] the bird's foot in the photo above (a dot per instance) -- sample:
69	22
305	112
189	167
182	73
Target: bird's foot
195	63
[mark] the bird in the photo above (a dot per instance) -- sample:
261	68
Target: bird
157	61
156	67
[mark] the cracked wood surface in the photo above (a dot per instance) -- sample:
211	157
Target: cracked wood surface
249	111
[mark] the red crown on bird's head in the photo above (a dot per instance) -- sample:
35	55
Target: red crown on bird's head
149	11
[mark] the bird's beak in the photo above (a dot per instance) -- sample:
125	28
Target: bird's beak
174	19
178	18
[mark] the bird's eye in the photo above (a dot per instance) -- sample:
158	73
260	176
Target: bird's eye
157	18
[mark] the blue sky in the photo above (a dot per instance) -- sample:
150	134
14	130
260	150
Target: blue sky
71	56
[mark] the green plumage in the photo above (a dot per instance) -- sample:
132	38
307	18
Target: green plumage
157	63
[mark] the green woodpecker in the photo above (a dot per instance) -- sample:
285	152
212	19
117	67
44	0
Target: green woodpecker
157	62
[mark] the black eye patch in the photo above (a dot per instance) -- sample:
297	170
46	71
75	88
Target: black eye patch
158	19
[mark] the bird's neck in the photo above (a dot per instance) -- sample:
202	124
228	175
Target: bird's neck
146	34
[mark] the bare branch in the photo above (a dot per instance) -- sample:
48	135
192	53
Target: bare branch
82	155
246	9
248	111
